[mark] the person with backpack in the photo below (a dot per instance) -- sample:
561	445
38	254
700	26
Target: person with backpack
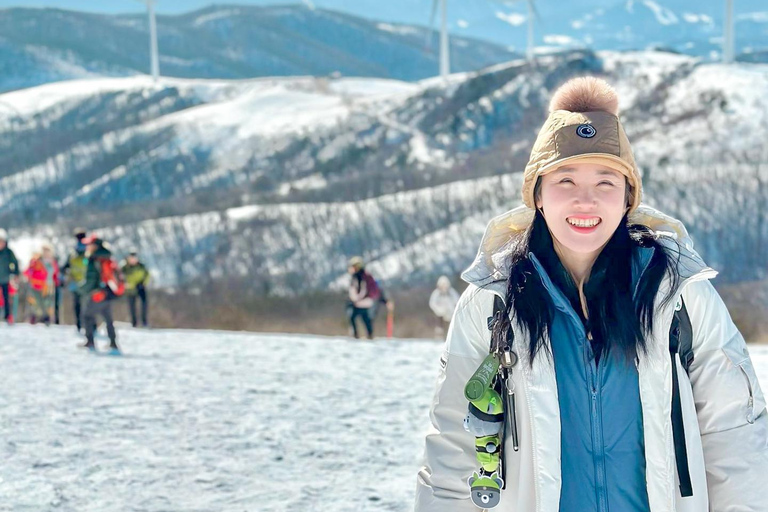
102	284
73	273
136	278
365	295
9	274
590	364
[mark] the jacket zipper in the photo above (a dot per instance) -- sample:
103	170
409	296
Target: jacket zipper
597	434
751	401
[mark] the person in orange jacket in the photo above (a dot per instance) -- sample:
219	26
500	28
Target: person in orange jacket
43	277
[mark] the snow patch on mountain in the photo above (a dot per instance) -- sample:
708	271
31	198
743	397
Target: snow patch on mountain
216	15
286	154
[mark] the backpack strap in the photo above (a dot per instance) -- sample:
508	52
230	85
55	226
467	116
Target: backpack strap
498	308
685	348
680	342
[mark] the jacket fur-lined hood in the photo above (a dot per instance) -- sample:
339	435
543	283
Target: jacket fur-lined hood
502	234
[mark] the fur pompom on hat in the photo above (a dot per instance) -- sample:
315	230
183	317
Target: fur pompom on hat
585	94
583	127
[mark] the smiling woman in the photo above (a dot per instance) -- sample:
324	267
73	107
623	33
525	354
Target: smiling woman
584	205
594	364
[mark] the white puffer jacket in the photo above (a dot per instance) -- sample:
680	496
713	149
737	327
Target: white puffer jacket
724	410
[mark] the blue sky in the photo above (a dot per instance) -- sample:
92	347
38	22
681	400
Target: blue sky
166	6
115	6
417	11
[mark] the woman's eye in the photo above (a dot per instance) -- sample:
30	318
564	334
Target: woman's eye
566	180
606	183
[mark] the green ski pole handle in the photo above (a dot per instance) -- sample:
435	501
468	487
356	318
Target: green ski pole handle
482	378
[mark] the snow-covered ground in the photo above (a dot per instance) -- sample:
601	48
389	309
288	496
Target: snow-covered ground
205	420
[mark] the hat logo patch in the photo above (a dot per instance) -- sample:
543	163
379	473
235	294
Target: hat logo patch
586	131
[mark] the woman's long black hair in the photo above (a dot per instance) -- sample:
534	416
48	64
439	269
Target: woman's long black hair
619	316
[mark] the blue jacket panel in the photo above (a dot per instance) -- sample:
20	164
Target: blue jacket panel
603	455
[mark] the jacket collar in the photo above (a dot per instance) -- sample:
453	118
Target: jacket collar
490	268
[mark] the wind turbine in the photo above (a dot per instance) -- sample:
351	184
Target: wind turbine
445	57
728	39
533	15
153	54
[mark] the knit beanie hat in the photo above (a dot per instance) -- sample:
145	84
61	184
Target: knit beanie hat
583	127
356	262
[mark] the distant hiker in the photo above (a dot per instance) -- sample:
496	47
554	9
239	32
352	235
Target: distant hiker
442	302
73	273
9	274
365	294
592	361
43	277
136	278
53	280
102	284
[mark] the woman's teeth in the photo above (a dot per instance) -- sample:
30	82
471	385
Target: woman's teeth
583	223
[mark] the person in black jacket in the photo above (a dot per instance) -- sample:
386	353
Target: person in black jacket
95	292
9	273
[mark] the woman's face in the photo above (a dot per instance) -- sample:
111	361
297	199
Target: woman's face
583	204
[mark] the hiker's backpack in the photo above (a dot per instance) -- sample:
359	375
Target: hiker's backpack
372	287
112	281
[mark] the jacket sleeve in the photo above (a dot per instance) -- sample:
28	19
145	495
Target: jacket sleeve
354	294
433	302
730	406
449	456
14	264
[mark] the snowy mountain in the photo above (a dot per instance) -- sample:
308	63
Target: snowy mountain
690	27
207	420
276	182
45	45
355	38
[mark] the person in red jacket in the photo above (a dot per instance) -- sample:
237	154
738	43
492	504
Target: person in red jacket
43	277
